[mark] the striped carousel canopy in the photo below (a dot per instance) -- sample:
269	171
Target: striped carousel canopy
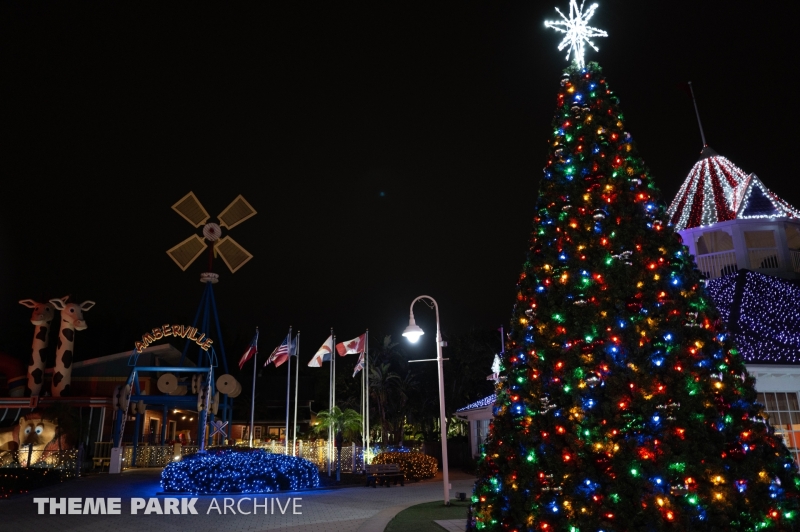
717	190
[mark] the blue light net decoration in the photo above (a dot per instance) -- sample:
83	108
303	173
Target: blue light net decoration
763	314
239	471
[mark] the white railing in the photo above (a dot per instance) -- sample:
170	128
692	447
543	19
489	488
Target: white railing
715	265
316	452
795	254
763	258
64	460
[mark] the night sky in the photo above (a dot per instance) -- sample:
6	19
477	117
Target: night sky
391	149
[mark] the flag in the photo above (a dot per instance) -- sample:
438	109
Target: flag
281	353
352	347
323	354
359	365
252	350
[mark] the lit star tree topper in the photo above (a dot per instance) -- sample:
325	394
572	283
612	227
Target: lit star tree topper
577	30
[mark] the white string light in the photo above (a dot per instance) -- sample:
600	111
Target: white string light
708	174
577	30
766	329
723	192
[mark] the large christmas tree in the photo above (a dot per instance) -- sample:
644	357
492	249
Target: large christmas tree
624	405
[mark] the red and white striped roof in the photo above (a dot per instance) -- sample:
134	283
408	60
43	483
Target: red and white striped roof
717	190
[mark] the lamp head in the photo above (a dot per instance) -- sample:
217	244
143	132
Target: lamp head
413	331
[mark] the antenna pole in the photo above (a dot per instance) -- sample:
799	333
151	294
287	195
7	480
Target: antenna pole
696	112
502	341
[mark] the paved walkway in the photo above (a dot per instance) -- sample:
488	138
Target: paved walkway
452	525
357	509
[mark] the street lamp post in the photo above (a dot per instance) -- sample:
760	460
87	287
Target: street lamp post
413	332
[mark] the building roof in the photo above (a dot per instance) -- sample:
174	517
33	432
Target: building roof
717	190
120	364
763	314
480	403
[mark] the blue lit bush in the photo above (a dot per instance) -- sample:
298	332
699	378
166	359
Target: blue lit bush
238	471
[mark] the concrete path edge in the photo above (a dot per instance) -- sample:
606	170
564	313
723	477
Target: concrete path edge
379	521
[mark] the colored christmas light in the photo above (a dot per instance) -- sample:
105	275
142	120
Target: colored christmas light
238	471
623	402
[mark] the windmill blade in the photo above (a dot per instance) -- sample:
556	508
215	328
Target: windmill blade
190	208
187	251
234	255
235	213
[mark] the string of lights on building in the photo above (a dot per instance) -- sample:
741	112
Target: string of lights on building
480	403
716	190
702	199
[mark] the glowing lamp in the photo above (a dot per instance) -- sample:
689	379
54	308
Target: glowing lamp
413	331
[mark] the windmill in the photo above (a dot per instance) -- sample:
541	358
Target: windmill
234	256
232	253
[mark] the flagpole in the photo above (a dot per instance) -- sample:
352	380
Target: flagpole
330	399
288	389
296	374
362	410
366	371
333	394
253	396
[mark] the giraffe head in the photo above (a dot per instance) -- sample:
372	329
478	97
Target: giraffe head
42	312
72	313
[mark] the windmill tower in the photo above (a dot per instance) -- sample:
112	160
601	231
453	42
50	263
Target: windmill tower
203	383
233	255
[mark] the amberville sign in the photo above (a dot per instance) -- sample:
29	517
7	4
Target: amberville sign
179	331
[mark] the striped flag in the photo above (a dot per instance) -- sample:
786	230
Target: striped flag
252	350
323	354
359	365
281	353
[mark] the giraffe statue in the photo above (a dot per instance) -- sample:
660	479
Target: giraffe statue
71	321
41	318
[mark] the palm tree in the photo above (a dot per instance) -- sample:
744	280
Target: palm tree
382	382
387	352
344	423
405	388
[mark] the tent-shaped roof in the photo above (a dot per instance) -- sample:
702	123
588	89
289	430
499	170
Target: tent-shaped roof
717	190
752	199
119	364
